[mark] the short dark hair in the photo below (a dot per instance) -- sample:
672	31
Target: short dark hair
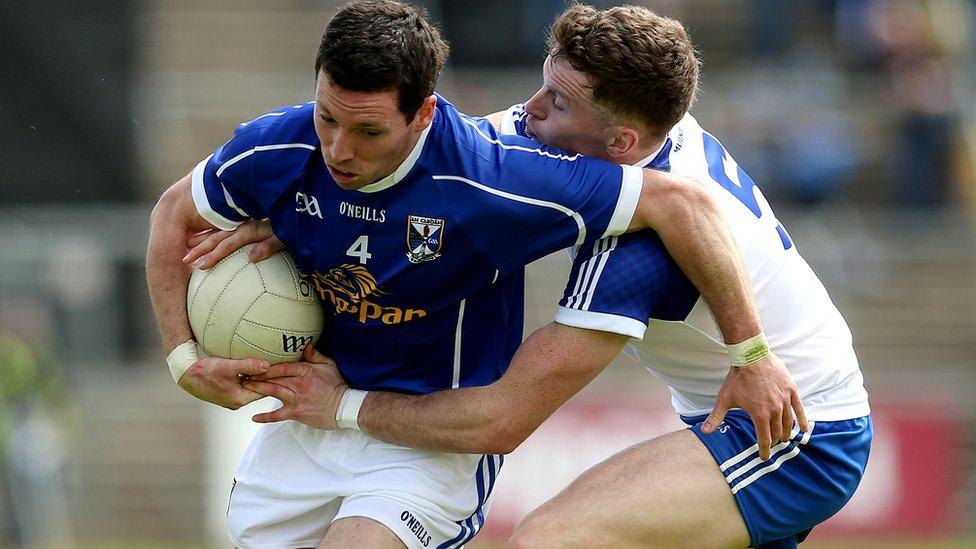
383	45
642	66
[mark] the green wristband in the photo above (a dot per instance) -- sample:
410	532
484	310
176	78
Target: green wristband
749	351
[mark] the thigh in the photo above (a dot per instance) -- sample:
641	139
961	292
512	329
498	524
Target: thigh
665	492
806	479
281	497
427	499
359	532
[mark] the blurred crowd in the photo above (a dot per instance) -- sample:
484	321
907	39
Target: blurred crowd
908	68
823	101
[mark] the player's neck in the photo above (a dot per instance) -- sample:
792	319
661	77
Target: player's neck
403	165
640	155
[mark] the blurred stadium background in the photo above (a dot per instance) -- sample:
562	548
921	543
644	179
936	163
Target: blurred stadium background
856	117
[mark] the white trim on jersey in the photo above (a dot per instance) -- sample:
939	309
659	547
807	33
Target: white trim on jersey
603	322
199	194
508	147
403	169
456	376
262	148
508	121
589	273
245	124
630	191
525	200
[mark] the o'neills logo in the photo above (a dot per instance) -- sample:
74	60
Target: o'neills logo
415	526
348	286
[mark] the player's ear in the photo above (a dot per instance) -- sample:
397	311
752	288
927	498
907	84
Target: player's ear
425	114
623	140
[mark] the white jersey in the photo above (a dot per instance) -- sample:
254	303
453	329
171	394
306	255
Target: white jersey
629	285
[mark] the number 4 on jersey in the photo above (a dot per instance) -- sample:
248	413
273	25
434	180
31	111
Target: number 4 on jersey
727	173
360	249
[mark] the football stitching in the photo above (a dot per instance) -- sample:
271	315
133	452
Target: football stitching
207	323
292	272
247	310
278	328
196	291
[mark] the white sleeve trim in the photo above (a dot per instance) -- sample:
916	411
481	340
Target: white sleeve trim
630	190
604	322
580	223
508	121
203	204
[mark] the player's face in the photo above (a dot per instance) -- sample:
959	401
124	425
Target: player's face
364	135
561	113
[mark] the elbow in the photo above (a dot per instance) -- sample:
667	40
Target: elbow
502	436
689	196
160	210
670	201
169	203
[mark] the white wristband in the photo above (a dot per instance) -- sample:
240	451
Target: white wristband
347	414
181	358
749	351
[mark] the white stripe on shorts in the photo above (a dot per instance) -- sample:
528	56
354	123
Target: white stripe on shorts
751	464
767	469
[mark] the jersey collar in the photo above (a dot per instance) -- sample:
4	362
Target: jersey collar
404	168
659	159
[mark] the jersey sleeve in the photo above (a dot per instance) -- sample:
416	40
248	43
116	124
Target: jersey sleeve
518	200
513	123
222	182
618	284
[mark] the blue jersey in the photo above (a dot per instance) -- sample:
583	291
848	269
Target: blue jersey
620	284
422	271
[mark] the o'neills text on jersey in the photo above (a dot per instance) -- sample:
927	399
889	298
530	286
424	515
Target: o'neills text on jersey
362	212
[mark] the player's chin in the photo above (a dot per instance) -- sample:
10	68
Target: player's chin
350	184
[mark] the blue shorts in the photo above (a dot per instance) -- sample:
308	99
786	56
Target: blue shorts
803	483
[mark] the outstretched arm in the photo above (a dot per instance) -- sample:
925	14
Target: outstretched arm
551	366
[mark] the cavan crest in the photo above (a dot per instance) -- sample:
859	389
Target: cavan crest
425	238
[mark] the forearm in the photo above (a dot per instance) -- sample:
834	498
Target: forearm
694	231
166	275
458	420
552	365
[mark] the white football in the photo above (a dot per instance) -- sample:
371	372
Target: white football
266	310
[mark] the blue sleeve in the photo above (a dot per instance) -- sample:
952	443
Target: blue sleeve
222	183
618	283
518	200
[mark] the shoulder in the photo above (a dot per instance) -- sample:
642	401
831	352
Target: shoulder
460	129
277	143
291	124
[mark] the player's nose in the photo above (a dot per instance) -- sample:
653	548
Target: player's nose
341	148
534	105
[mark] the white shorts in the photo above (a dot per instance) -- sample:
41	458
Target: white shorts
294	481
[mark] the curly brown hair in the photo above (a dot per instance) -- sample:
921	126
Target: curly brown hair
642	66
383	45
